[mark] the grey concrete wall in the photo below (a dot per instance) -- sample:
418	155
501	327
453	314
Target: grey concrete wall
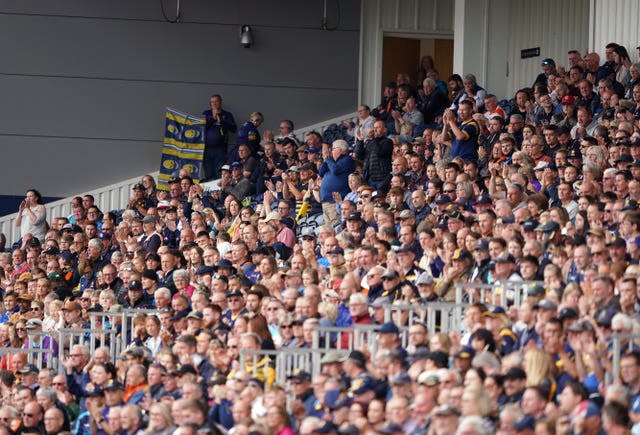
85	82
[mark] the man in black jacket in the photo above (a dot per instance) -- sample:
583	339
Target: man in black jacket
376	155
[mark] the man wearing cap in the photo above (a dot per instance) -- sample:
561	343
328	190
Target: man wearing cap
481	262
236	307
239	186
150	240
548	66
458	270
376	153
505	268
138	202
137	297
426	287
406	257
389	340
72	313
391	285
304	401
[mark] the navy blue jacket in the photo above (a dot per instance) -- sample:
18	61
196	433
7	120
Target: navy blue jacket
249	135
335	177
217	133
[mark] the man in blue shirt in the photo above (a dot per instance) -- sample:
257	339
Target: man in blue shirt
464	142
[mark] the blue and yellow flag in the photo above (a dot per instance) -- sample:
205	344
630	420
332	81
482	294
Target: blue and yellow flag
183	146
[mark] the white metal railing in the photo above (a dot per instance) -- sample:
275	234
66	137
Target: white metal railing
115	196
112	197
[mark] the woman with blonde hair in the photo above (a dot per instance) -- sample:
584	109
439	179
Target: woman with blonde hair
440	341
477	402
540	370
160	420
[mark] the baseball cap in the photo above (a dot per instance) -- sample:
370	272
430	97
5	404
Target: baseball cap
548	227
425	278
548	61
300	376
51	250
460	254
389	328
362	384
505	257
567	313
332	357
446	409
466	352
546	304
515	373
135	285
113	385
357	357
389	273
33	323
150	274
29	368
481	245
336	251
195	315
443	199
525	423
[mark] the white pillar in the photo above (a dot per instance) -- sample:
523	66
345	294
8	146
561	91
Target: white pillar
480	45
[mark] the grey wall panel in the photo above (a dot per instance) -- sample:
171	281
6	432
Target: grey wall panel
65	161
79	77
556	27
165	52
279	13
615	21
134	110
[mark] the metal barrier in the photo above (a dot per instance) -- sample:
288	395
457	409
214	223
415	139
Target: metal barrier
92	338
112	331
33	356
620	344
502	293
109	322
127	317
355	337
285	362
437	316
41	354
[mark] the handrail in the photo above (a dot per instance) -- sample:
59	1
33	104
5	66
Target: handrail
115	196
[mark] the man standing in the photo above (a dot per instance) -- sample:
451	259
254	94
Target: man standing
219	123
335	172
376	154
464	142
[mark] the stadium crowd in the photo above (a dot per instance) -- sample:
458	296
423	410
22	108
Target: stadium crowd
440	184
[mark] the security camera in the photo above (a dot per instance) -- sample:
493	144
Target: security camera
246	38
